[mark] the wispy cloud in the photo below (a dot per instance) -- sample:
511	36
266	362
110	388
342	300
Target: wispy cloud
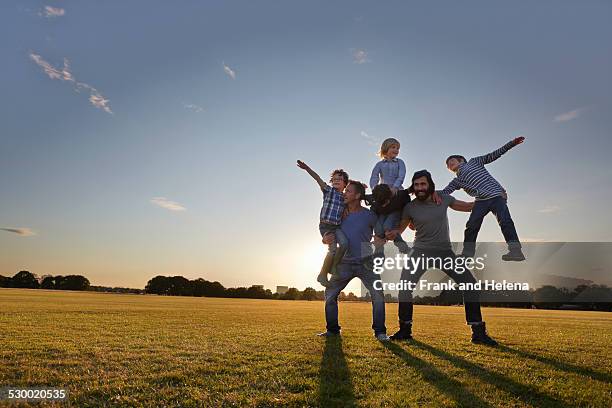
163	202
567	116
230	72
24	232
65	74
52	12
550	209
360	56
193	107
374	141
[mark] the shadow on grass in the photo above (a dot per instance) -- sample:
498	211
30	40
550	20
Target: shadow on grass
528	394
445	384
559	365
335	384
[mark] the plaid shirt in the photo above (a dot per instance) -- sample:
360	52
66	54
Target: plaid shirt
333	206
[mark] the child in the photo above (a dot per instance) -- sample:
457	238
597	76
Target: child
389	207
330	218
475	180
390	171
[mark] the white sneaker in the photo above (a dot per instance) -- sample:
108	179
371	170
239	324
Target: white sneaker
382	337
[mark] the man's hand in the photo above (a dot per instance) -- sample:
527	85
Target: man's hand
328	238
392	234
378	241
302	165
518	140
436	198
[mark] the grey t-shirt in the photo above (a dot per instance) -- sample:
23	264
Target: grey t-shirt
430	221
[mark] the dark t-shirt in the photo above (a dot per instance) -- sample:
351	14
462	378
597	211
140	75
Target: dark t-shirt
430	221
397	203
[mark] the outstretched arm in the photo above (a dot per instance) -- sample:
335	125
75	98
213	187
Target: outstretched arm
488	158
312	173
459	205
452	186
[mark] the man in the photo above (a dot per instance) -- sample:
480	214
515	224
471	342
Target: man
358	227
432	243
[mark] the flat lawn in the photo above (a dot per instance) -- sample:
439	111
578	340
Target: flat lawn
132	350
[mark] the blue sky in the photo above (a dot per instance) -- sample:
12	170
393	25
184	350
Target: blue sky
208	105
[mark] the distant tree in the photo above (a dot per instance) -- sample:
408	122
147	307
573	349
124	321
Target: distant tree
291	294
549	296
48	282
5	282
309	294
72	282
25	279
158	285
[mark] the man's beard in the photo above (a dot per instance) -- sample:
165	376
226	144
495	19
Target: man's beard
422	197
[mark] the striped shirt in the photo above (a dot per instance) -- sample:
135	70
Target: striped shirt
333	206
391	172
475	180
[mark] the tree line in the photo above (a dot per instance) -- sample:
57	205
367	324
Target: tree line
590	297
28	280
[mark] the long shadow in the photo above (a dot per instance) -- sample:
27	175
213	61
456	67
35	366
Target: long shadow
335	384
528	394
559	365
445	384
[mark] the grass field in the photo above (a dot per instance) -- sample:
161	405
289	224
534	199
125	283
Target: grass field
132	350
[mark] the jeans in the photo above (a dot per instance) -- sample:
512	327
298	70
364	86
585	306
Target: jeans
498	206
346	272
388	222
335	250
471	298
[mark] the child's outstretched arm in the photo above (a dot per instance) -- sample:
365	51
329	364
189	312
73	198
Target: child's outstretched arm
312	173
452	186
488	158
401	175
375	177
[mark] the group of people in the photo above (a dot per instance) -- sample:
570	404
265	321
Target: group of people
348	228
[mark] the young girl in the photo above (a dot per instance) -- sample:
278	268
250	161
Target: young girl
390	171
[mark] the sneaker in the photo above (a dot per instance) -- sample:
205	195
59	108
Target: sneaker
382	337
328	334
515	255
480	336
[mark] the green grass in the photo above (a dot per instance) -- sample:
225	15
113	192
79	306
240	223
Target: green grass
132	350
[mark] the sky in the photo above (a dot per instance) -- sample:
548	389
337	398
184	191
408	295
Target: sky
150	138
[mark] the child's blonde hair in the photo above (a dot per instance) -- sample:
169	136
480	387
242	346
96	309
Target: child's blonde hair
386	144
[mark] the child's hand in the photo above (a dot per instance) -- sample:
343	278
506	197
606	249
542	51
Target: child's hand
394	190
302	165
436	198
519	140
328	238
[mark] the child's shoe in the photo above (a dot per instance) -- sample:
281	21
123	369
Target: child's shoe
514	255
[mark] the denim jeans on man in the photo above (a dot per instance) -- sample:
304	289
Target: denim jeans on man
471	298
344	274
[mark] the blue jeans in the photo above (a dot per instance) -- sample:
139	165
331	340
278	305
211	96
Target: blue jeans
345	273
388	222
498	206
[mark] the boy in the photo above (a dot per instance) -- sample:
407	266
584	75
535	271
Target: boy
490	196
331	218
